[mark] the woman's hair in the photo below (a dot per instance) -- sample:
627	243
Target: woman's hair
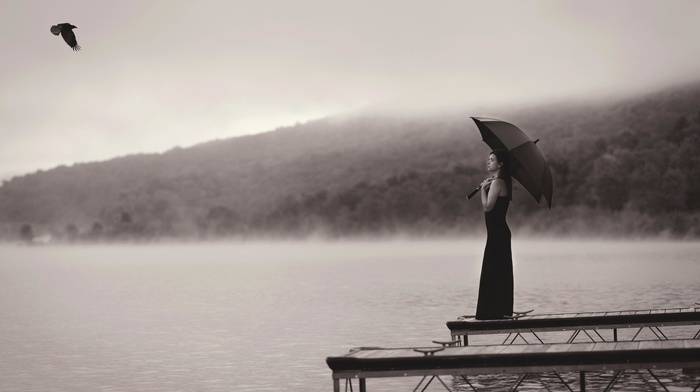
504	173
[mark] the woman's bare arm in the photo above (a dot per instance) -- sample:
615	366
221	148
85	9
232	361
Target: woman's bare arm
497	187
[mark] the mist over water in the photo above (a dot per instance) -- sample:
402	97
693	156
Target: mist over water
264	316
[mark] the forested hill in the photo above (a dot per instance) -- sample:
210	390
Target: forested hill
624	167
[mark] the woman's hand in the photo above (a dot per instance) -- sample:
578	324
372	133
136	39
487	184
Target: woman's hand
486	183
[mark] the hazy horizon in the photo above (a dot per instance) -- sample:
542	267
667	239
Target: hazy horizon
156	75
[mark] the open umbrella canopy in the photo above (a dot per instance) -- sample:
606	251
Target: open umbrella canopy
527	164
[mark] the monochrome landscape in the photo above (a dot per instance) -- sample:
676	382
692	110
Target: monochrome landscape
219	195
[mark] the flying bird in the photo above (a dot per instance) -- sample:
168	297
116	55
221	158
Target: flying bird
66	31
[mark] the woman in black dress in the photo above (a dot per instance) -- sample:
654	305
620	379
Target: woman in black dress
496	284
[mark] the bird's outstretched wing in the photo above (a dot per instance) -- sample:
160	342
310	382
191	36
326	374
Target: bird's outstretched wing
69	37
56	30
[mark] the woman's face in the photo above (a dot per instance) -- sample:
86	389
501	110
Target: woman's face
492	164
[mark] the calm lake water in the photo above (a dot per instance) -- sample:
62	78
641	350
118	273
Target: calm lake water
263	316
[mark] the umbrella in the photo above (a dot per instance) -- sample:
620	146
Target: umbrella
527	164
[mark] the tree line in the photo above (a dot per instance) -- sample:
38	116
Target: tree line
632	184
625	169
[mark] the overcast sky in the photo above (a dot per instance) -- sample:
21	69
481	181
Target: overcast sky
157	74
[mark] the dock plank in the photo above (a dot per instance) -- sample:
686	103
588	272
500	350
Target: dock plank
674	344
401	362
578	321
581	347
485	350
535	348
691	343
362	353
557	348
650	344
493	350
603	347
389	353
630	346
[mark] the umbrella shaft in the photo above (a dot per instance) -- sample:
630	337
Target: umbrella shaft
473	192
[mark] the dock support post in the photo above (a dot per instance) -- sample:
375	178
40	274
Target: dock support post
336	385
615	334
582	381
363	385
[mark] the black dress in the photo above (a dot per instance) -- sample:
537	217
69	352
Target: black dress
496	284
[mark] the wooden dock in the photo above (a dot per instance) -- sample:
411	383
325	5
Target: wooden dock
653	320
457	358
463	361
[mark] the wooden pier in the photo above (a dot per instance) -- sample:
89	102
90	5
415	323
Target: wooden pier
457	358
464	361
589	324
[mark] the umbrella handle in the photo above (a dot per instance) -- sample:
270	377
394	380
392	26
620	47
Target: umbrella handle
469	196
